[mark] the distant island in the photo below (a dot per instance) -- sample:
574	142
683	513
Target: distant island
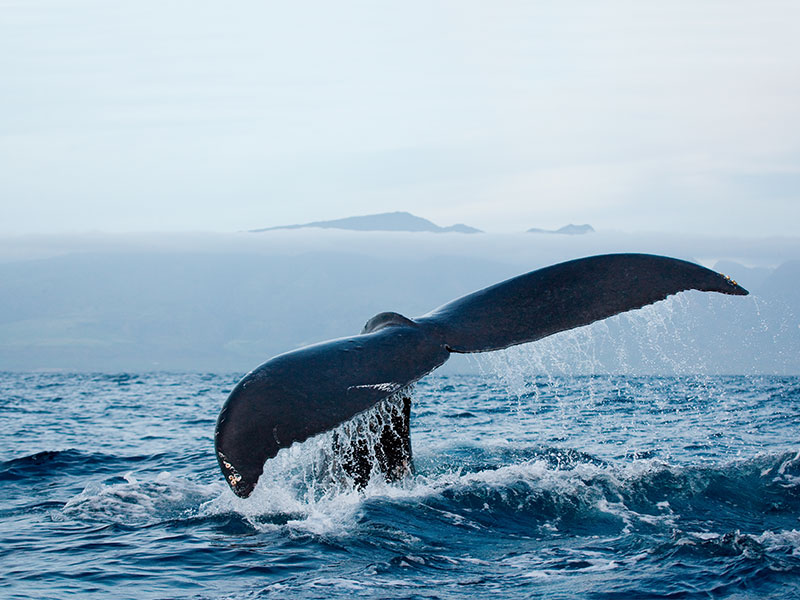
393	221
566	230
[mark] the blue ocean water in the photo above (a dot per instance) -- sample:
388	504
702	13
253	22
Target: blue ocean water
564	487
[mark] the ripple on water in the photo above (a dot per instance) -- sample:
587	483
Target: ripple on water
647	487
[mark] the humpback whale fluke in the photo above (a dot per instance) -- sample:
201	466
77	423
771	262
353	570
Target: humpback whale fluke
301	393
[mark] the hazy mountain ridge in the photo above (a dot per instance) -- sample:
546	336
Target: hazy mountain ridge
197	311
565	230
391	221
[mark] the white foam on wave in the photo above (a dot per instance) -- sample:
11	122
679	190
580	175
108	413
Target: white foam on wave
565	562
786	542
289	497
136	501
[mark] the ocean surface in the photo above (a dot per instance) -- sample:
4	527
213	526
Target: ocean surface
553	487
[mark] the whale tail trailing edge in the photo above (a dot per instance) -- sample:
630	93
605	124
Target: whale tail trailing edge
314	389
567	295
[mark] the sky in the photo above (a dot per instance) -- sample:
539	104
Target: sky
208	116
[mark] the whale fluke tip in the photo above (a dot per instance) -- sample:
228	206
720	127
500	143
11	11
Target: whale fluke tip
733	288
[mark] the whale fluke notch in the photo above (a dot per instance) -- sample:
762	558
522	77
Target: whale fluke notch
308	391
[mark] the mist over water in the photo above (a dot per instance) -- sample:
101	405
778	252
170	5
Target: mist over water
194	302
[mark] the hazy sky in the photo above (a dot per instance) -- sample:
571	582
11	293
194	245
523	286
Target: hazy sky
188	115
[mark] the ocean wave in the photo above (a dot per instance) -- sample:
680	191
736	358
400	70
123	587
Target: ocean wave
584	488
539	496
57	463
134	502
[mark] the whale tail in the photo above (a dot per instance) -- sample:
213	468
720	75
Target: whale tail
311	390
567	295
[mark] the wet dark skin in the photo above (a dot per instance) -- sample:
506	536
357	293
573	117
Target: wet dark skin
309	391
392	452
